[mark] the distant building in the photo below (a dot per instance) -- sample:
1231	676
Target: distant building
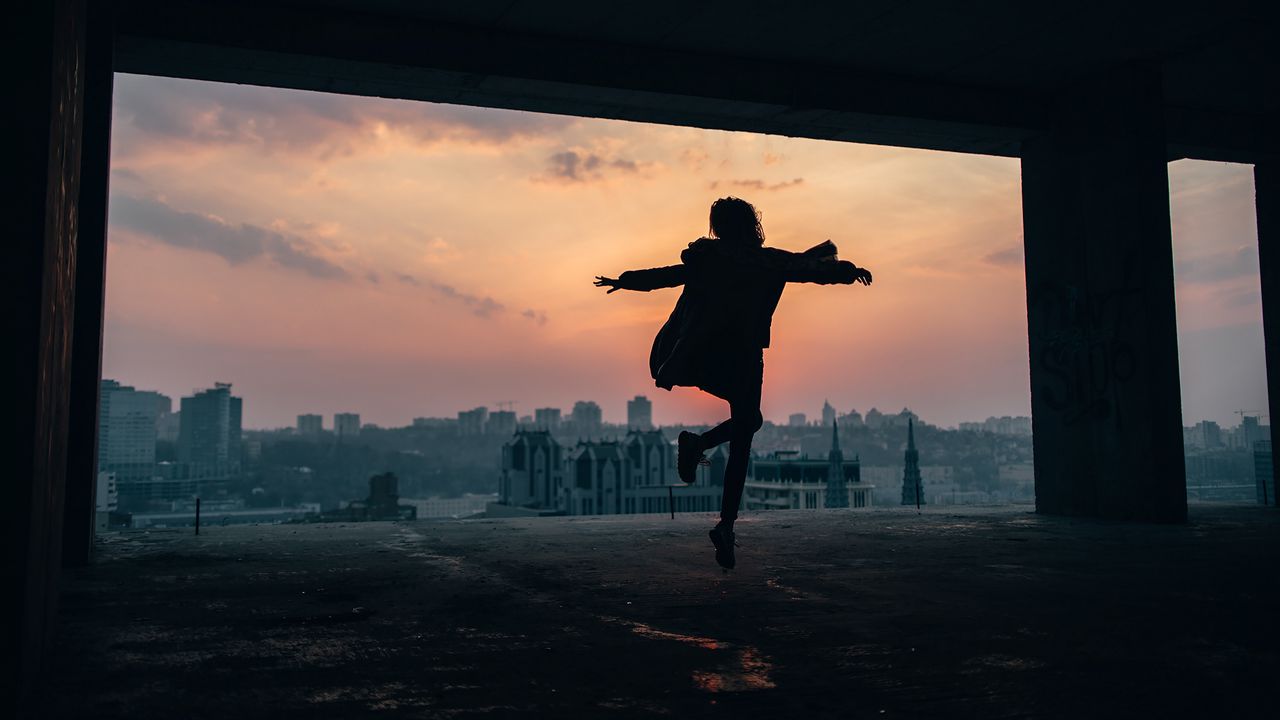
789	481
127	437
311	425
852	420
106	500
471	422
547	419
501	422
383	503
636	475
541	477
797	420
1207	434
912	484
1006	425
828	414
587	418
532	474
1252	432
346	425
210	430
640	413
1264	472
168	426
452	507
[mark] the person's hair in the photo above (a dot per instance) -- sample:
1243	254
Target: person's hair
736	220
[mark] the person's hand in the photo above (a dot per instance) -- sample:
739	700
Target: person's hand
611	283
862	275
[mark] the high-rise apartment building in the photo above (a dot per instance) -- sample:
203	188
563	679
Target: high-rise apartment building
471	422
797	420
209	431
127	434
346	425
588	419
501	422
547	419
310	424
640	413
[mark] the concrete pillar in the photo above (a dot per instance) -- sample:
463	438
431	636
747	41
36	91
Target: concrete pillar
1266	182
1105	394
43	94
91	256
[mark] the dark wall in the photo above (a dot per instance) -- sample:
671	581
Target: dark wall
1266	182
1105	389
91	257
44	99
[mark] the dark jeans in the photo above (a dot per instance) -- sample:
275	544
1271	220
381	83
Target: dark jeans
744	420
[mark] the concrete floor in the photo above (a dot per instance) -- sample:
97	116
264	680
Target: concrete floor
952	613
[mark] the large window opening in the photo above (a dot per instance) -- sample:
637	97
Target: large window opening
307	291
1222	354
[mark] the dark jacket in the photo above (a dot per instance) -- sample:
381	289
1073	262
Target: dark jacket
730	293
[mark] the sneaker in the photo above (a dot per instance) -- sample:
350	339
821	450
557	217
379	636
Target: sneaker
724	541
689	456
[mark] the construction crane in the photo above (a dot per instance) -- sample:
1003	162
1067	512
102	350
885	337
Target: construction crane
506	405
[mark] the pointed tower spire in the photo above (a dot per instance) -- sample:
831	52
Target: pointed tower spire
837	495
912	484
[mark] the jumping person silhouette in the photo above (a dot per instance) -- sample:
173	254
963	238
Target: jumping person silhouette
715	337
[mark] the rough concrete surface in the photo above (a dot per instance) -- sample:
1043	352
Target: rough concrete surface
950	613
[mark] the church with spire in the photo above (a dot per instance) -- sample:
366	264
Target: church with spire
788	480
912	484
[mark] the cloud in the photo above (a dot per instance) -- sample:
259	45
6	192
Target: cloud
537	316
694	158
484	307
573	166
754	184
1240	297
234	243
1007	257
296	121
1229	264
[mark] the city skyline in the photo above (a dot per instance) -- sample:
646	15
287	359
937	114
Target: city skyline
396	259
309	423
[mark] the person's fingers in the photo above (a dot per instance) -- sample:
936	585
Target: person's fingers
612	290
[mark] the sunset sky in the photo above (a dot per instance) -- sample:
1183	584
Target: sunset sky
327	254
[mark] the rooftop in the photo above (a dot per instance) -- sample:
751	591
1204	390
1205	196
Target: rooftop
952	612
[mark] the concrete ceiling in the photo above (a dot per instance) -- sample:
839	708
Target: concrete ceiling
940	74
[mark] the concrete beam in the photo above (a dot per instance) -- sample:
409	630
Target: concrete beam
337	49
1105	389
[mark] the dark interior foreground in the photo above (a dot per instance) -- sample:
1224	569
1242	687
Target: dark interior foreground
1093	97
976	613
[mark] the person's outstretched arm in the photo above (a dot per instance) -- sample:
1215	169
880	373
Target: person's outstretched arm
644	280
819	265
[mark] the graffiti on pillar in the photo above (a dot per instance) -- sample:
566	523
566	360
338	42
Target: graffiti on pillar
1081	346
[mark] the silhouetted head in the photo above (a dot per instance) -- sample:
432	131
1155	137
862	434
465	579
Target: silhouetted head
736	220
